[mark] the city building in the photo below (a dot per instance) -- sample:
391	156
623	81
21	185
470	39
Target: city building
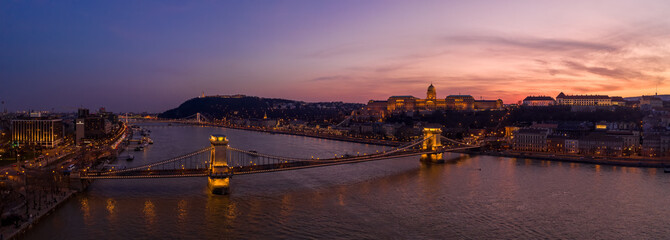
571	146
377	108
461	102
531	139
601	144
38	132
542	101
619	101
651	102
588	100
92	126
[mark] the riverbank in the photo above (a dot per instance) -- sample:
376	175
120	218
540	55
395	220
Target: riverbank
12	232
627	162
379	142
52	199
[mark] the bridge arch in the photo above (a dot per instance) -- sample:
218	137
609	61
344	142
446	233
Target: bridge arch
432	142
220	173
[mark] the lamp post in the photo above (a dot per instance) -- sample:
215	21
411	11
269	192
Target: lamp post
25	182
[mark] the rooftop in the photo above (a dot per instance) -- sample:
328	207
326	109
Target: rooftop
538	98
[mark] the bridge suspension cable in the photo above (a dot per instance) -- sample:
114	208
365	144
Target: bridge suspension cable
454	141
175	159
291	159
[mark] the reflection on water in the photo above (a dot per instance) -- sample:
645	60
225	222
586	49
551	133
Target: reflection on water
85	209
110	209
149	212
476	197
181	209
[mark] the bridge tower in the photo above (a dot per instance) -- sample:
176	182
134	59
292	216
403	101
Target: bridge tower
219	175
197	118
432	143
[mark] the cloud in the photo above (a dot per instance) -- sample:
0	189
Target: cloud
546	44
617	73
329	78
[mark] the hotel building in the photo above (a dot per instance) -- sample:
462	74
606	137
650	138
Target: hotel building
40	132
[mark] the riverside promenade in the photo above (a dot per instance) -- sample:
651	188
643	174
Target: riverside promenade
38	210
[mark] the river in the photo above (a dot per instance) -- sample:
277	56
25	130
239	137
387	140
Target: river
475	197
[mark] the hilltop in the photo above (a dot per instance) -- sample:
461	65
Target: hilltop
240	106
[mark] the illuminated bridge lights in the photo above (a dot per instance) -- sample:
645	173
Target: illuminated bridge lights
268	163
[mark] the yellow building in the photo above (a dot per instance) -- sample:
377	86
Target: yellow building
411	103
431	102
584	100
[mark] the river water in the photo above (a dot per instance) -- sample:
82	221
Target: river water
473	198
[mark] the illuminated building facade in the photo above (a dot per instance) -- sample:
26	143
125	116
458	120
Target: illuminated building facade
411	103
461	102
588	100
39	132
431	102
531	139
536	101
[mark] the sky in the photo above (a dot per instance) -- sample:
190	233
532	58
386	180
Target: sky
153	55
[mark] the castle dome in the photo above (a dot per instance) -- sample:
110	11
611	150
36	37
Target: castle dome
431	95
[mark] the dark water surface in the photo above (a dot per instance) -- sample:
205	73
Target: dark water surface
477	197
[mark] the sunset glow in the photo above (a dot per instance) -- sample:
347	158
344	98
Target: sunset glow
140	56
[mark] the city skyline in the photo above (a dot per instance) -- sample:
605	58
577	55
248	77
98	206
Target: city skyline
151	56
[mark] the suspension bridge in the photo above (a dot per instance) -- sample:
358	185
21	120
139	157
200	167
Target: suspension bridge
219	161
194	118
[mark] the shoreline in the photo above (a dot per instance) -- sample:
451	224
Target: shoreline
387	143
641	163
15	232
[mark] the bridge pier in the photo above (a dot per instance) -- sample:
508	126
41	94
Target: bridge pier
432	143
220	174
76	183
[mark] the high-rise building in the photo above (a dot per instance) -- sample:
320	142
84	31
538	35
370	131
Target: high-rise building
39	132
82	112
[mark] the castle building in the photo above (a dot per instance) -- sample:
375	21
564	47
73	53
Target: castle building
431	102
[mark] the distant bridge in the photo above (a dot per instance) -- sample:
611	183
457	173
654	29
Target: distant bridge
194	118
219	161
